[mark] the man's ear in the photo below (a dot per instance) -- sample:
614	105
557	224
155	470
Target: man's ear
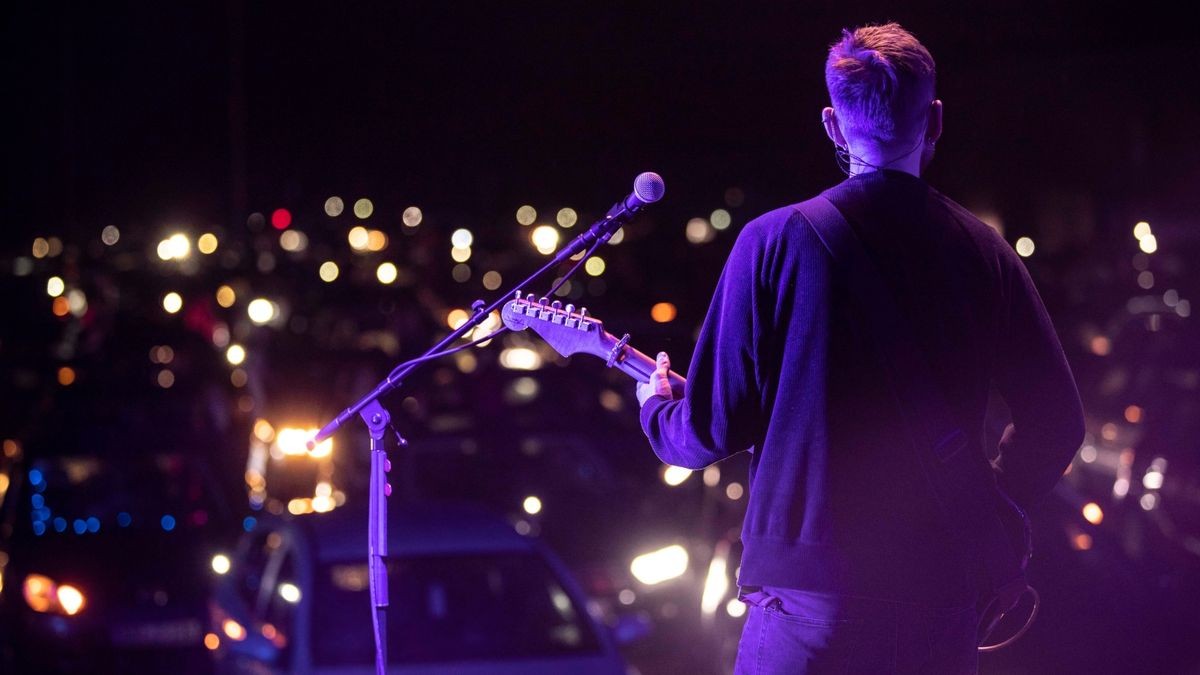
829	120
933	128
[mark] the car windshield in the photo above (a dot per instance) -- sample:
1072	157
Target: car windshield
450	608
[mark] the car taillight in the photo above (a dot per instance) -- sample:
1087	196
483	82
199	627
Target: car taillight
43	594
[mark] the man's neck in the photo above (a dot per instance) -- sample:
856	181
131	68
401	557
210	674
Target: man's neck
866	158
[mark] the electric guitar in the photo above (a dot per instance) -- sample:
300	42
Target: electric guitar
572	332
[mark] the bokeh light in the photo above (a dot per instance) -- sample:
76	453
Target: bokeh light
526	215
462	238
110	235
363	208
261	310
594	266
207	243
663	312
172	302
281	218
358	238
226	297
55	286
545	239
328	271
235	354
334	206
412	216
386	273
1024	247
567	217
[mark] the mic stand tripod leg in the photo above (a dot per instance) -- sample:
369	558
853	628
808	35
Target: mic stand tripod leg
378	420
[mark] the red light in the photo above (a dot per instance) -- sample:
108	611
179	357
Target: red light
281	218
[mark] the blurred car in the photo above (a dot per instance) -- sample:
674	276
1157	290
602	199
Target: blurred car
105	563
468	594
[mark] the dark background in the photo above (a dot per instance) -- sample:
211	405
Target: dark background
1065	122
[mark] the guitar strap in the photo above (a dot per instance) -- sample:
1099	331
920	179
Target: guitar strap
963	485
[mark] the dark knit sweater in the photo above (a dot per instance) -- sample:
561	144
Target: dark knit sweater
837	501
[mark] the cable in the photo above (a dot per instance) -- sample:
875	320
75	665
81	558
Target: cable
1037	602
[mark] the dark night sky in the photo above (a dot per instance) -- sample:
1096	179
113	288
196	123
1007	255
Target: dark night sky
123	113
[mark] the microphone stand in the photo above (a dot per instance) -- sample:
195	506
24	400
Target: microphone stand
378	420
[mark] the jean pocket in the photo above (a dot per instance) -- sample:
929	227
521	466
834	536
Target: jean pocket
818	620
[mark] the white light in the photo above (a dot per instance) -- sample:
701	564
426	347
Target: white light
221	564
675	475
412	216
699	231
720	219
1093	513
334	206
293	441
172	302
462	238
329	271
55	286
1141	230
290	592
716	585
532	505
1088	454
526	215
626	596
1025	247
567	217
712	476
178	247
735	608
1148	501
520	358
460	254
1148	244
545	239
70	599
235	355
1153	480
734	491
1120	487
661	565
260	310
386	273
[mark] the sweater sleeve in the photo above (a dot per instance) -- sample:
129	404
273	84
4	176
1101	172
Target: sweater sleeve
1033	377
719	413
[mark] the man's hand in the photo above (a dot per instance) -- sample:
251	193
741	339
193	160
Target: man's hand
659	384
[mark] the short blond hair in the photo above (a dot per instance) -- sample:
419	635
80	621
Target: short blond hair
880	79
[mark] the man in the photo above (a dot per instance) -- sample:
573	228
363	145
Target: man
848	564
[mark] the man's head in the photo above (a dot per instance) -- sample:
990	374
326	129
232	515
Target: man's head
881	84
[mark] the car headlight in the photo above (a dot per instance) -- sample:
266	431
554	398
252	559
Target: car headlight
42	594
661	565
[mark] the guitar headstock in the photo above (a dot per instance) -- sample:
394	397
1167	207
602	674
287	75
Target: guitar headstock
562	327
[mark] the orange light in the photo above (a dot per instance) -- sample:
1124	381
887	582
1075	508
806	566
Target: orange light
61	306
39	592
1133	414
663	312
1101	346
212	641
1093	513
66	376
1082	541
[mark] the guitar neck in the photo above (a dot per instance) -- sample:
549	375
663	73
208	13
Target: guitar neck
640	367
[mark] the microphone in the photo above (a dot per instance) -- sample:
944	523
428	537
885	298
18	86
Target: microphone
648	188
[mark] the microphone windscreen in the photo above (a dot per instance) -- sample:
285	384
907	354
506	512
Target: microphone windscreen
648	187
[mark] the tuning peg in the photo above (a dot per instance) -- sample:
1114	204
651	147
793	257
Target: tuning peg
517	295
583	318
569	308
529	298
544	301
557	305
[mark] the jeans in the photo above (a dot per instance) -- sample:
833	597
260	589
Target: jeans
802	633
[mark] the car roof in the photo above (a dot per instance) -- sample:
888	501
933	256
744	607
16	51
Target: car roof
414	528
